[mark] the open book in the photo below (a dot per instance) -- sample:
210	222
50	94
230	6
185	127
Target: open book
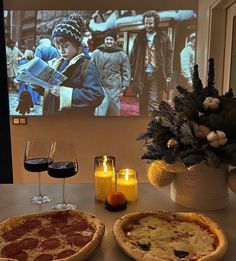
39	73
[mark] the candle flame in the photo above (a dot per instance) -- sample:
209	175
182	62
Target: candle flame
105	164
126	174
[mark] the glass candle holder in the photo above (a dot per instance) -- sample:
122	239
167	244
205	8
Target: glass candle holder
127	183
105	177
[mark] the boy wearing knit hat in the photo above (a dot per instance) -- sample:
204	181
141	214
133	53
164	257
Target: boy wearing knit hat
80	93
113	65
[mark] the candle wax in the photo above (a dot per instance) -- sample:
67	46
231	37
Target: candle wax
103	184
128	187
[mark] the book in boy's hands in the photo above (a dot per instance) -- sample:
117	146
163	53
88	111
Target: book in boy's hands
39	73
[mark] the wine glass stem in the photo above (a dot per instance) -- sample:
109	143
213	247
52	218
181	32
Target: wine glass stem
63	191
39	183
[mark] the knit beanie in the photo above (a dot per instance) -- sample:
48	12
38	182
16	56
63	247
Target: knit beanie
111	34
72	28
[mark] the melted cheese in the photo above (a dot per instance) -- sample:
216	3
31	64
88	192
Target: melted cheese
163	237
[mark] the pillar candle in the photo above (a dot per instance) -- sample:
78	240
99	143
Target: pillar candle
104	179
127	184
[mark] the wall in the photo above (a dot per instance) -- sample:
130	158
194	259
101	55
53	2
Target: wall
211	37
93	137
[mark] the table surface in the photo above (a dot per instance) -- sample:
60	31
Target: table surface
14	200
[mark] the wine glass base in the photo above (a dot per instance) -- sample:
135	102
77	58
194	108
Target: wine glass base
64	206
38	200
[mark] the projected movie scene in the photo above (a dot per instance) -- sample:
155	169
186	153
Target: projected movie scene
97	62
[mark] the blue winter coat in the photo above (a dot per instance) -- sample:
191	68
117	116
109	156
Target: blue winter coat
78	95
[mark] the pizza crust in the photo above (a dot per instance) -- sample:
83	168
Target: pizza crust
136	253
83	253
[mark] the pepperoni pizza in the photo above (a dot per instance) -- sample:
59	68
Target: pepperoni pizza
65	235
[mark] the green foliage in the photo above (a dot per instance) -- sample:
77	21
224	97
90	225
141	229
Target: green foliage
180	122
213	121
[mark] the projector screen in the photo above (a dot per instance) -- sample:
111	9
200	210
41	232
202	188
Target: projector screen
141	67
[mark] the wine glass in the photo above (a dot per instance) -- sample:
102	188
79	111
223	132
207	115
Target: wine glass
37	156
64	165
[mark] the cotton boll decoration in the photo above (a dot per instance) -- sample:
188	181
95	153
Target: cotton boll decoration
211	103
217	138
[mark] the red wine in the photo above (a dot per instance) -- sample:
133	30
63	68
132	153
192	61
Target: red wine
63	169
37	164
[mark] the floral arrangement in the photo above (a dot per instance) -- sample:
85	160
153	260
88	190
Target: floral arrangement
199	127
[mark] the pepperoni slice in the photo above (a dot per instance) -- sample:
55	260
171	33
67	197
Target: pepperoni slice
31	224
81	226
11	249
50	243
29	243
60	216
78	240
15	233
65	253
67	230
21	256
59	221
44	257
47	231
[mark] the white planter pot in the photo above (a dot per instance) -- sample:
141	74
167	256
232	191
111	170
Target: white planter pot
202	188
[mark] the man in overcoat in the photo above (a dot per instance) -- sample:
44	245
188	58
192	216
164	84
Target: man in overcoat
151	63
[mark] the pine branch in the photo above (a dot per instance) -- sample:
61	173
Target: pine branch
170	156
188	151
211	157
182	91
167	123
229	93
165	110
192	159
228	148
187	137
211	74
197	83
210	90
151	156
142	136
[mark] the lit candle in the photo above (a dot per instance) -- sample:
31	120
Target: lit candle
127	184
104	177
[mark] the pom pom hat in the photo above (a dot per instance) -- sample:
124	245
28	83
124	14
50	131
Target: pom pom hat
72	28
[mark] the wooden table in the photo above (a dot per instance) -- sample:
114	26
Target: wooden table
14	200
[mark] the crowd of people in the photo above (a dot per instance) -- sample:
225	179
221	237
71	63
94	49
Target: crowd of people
98	77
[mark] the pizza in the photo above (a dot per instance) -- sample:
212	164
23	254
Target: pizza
160	236
65	235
